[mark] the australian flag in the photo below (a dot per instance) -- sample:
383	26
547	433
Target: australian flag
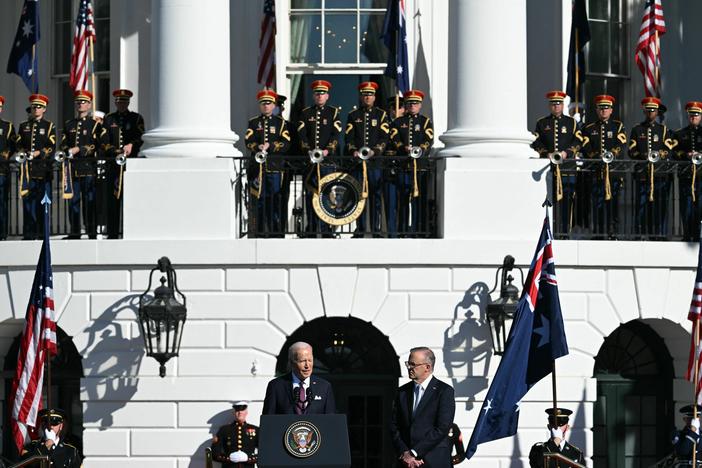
395	38
23	57
579	36
536	339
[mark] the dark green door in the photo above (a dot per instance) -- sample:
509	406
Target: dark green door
633	412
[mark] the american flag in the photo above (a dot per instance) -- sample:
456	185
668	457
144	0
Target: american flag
694	316
648	50
38	343
266	45
85	32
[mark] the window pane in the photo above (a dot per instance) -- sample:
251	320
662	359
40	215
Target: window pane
340	38
598	48
619	55
373	3
63	10
598	9
63	37
305	38
102	45
340	4
372	48
306	4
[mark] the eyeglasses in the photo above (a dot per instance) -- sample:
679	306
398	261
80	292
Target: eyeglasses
411	365
37	106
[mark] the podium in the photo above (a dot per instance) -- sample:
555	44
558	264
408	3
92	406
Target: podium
290	440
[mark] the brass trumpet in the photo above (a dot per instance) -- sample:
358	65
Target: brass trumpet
316	156
20	156
365	153
261	156
416	152
556	157
121	159
607	157
60	156
654	156
696	158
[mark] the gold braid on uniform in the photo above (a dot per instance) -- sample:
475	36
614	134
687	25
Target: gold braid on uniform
364	192
651	170
692	185
67	179
607	185
559	183
415	190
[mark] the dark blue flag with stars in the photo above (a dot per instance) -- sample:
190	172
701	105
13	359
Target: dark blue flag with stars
579	36
535	340
23	57
395	39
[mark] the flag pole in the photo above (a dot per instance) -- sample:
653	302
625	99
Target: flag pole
45	246
34	72
694	391
577	74
658	65
92	74
553	387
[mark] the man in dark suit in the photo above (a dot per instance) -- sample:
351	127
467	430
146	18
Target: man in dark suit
422	415
298	391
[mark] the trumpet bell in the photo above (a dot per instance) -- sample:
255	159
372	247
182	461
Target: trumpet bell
556	158
316	156
365	153
416	152
654	156
261	156
696	158
121	159
60	156
607	157
20	156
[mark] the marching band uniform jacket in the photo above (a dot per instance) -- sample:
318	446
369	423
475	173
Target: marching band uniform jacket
367	127
235	437
557	134
689	140
268	129
412	130
319	127
600	136
38	135
89	136
7	145
650	136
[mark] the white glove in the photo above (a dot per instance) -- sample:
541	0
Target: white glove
556	432
695	423
238	457
51	435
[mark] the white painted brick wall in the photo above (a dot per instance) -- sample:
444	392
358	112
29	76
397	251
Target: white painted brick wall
110	442
100	280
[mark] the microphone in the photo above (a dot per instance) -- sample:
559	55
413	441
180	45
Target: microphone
296	394
309	397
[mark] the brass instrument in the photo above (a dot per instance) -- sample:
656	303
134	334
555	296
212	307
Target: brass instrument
21	157
696	158
607	157
316	156
60	156
416	152
365	153
654	156
121	159
261	156
556	157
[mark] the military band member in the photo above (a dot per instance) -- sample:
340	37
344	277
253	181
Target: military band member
52	442
267	135
7	149
557	136
601	138
318	129
124	131
406	202
81	140
395	107
689	436
647	138
558	427
368	127
456	441
236	445
689	143
37	138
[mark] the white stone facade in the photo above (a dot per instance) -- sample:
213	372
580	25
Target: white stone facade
245	297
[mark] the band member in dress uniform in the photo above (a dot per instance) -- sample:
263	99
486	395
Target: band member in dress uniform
289	172
689	143
236	444
602	138
37	138
648	138
456	441
81	140
558	137
7	149
558	426
267	135
368	127
318	129
688	438
52	441
395	107
124	131
409	133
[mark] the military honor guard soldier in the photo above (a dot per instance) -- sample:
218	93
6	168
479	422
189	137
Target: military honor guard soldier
689	144
557	443
456	441
648	139
558	137
406	199
124	131
603	138
236	445
318	129
7	149
37	139
267	135
52	443
368	129
687	439
82	138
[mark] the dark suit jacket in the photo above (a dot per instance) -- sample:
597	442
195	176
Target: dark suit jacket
425	432
279	396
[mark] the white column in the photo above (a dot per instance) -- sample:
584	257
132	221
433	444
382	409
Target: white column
493	189
487	79
190	70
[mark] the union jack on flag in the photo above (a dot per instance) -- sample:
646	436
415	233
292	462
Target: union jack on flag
694	316
85	33
648	50
38	344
